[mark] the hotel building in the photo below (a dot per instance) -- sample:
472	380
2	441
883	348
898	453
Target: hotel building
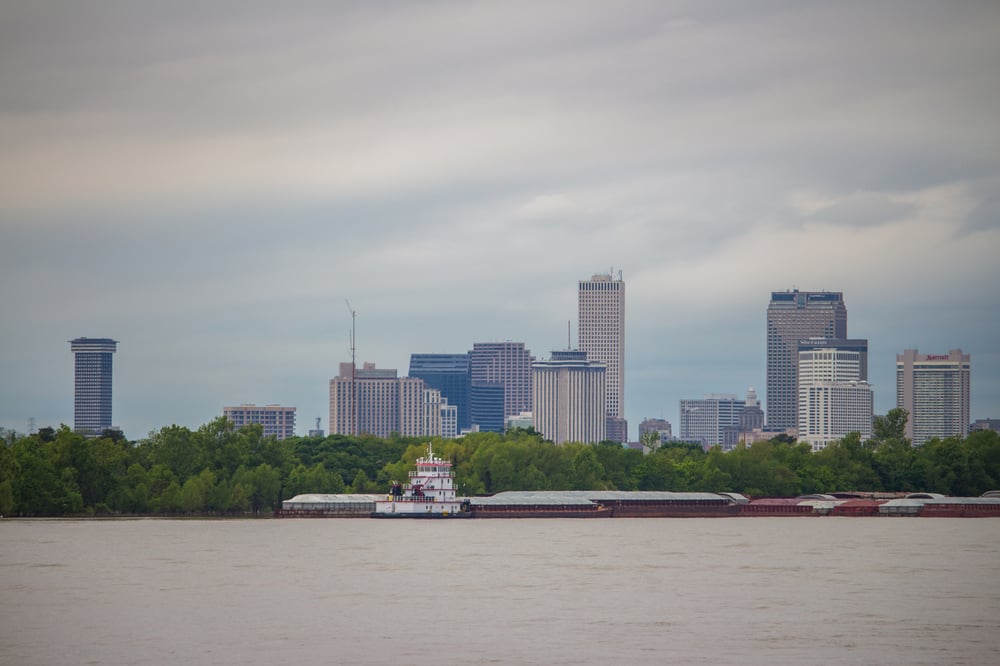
378	402
934	389
278	421
834	400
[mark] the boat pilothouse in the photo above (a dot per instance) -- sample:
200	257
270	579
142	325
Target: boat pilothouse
429	494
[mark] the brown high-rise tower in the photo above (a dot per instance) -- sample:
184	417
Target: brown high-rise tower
793	316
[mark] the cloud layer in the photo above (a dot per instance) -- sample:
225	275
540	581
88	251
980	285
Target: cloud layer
208	184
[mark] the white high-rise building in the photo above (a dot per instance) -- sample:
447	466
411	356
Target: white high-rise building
601	331
569	398
833	399
704	420
935	390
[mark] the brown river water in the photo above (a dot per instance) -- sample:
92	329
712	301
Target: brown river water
642	591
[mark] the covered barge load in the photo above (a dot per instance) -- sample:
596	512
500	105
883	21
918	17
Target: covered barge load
777	506
664	504
542	504
962	507
318	505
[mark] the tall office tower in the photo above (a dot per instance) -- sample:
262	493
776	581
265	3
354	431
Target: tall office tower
934	389
92	384
792	316
833	399
448	373
378	402
278	421
507	363
705	420
486	408
601	330
570	397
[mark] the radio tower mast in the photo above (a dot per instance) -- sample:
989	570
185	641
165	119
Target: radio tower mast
354	390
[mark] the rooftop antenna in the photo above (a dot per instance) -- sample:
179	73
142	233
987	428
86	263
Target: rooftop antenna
569	344
317	423
354	390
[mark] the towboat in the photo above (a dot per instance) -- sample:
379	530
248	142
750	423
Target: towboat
429	494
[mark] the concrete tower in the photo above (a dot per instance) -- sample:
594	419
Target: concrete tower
601	331
569	398
92	386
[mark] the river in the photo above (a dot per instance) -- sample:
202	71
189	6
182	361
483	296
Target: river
641	591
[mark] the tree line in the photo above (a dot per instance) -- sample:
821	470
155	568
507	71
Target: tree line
220	470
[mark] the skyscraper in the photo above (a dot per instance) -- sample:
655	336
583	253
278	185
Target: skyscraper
92	384
507	363
569	398
448	373
935	390
601	331
793	316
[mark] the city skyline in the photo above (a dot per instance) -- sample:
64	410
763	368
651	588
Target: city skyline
209	185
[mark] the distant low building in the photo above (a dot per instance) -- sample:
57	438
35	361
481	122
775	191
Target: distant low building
661	427
317	431
278	421
616	429
522	421
985	424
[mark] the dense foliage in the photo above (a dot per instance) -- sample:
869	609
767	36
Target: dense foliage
217	469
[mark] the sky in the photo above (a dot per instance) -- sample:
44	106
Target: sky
210	183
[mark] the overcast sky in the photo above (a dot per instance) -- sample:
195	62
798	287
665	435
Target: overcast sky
208	182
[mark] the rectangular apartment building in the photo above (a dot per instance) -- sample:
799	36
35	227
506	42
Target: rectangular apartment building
378	402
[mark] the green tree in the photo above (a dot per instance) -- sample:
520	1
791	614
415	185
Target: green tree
892	426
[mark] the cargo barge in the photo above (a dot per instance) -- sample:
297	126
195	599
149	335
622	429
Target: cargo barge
431	493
